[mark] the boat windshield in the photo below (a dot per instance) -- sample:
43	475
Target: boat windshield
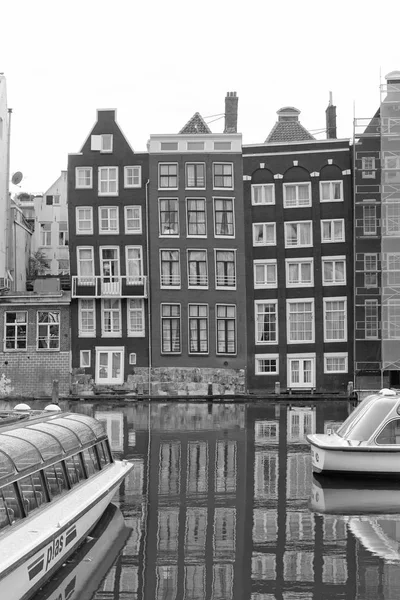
349	422
370	419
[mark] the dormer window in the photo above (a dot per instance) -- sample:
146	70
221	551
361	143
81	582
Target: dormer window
102	143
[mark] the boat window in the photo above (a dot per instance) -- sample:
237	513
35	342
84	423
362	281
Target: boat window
91	462
83	431
103	454
47	445
55	479
94	425
21	452
32	495
67	438
75	469
349	422
4	515
7	467
390	434
12	504
372	418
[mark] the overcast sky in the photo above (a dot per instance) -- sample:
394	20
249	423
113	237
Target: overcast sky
158	62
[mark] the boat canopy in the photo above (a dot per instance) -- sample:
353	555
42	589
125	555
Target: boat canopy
367	417
37	442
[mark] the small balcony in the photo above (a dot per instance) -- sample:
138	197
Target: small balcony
121	286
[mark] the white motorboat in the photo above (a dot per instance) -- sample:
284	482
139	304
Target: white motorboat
57	477
366	444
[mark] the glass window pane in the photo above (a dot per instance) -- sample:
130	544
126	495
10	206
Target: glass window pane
22	453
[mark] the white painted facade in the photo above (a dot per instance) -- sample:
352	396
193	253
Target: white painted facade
3	175
51	226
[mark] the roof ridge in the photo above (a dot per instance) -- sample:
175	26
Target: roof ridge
196	124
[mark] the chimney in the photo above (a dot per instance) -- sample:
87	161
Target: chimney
331	120
231	112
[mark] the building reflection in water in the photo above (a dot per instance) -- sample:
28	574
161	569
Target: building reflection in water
219	506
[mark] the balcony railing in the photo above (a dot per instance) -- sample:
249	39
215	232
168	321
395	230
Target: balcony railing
97	286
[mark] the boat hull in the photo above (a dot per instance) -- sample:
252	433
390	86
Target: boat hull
21	579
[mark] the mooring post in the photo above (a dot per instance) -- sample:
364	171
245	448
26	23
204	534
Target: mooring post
54	392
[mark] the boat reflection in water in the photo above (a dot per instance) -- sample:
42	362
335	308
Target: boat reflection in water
370	508
81	576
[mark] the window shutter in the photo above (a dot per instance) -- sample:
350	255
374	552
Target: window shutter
95	142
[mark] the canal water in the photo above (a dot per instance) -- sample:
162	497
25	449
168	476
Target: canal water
222	505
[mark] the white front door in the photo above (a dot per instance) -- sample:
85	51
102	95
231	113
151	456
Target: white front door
109	365
301	371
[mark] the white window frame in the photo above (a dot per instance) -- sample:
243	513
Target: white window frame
368	171
301	357
392	217
188	187
168	235
15	326
88	175
217	285
297	203
228	305
162	318
84	364
177	283
102	261
45	235
271	302
87	279
135	175
159	176
294	301
231	175
132	279
78	220
108	210
373	257
373	220
48	324
334	260
90	333
335	299
196	235
264	229
207	319
267	357
138	310
108	180
110	349
331	187
299	261
374	305
114	333
133	207
261	187
332	240
328	355
298	223
224	235
265	263
98	142
190	284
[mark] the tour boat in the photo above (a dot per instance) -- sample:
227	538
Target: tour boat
81	575
57	477
366	444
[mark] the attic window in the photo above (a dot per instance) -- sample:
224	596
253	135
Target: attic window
195	145
222	145
169	145
102	143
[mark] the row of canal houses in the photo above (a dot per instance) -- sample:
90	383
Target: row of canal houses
206	265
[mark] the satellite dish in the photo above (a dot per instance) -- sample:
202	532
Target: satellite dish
16	178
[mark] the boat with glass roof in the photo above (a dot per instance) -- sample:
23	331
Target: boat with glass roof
57	477
366	444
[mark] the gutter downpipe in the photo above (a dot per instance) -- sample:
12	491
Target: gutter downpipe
148	285
9	265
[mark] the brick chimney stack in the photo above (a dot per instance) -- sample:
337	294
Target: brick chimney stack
331	119
231	112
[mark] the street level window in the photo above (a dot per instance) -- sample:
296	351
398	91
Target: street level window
136	327
171	328
266	364
198	328
48	330
266	322
16	324
86	317
226	328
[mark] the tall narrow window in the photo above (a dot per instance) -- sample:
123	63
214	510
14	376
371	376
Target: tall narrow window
63	233
134	265
369	219
45	234
197	268
368	167
87	318
195	175
133	219
392	221
370	270
16	327
111	318
225	268
167	175
335	320
84	220
371	320
196	217
198	328
266	322
393	269
85	266
136	326
108	219
226	328
223	175
300	315
48	330
169	217
224	217
170	268
108	181
132	177
171	328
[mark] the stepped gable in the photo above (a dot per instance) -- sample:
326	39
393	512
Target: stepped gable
196	125
288	127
